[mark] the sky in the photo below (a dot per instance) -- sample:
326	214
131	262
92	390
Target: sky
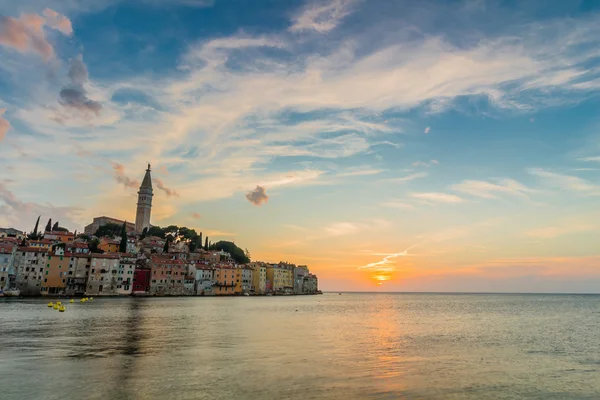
388	145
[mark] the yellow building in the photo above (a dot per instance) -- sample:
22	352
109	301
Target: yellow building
225	280
288	280
109	245
276	279
42	243
259	277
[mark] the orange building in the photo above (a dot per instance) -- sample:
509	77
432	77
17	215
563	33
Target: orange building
225	276
56	271
60	236
109	245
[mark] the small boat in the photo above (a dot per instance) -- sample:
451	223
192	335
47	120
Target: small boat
246	294
12	293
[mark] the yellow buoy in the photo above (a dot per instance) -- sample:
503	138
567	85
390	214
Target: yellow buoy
56	307
82	301
62	309
91	298
59	303
50	304
71	301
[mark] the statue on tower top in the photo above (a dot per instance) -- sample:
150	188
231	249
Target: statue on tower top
148	167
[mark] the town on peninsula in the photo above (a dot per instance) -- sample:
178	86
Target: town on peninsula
113	257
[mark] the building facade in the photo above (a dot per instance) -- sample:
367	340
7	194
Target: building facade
79	270
30	263
102	280
259	277
56	271
224	280
167	276
144	204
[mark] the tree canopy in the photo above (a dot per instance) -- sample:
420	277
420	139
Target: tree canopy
109	229
236	253
123	243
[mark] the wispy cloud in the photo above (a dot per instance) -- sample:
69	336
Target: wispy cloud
425	164
427	130
567	182
438	197
120	177
360	172
490	190
321	16
196	215
407	178
594	158
160	185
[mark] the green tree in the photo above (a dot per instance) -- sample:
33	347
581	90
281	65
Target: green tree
93	246
156	231
144	232
60	229
109	229
166	247
83	236
236	253
206	243
55	226
123	244
49	226
34	235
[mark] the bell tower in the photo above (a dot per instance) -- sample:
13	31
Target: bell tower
144	204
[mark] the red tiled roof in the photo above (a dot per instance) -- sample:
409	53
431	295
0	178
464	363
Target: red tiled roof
33	249
107	255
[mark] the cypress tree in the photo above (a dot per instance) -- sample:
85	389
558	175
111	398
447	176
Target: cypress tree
123	244
206	243
55	226
34	233
49	226
199	240
166	248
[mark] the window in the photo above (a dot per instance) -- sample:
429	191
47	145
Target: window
45	280
49	257
46	272
47	265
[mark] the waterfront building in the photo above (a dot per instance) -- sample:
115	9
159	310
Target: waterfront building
91	229
141	280
79	270
224	280
167	275
125	274
132	245
243	280
310	284
277	278
189	285
29	267
205	280
102	280
144	204
7	266
56	271
259	277
300	272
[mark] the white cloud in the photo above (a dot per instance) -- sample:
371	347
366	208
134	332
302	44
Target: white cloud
438	197
407	178
489	190
595	158
321	16
568	182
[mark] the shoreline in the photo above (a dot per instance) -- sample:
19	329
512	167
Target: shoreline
154	296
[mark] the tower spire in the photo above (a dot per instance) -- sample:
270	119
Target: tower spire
144	204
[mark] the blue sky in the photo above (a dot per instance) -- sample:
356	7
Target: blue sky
434	145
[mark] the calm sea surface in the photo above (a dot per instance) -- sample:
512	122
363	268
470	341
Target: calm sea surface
353	346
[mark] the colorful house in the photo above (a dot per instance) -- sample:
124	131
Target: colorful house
56	271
